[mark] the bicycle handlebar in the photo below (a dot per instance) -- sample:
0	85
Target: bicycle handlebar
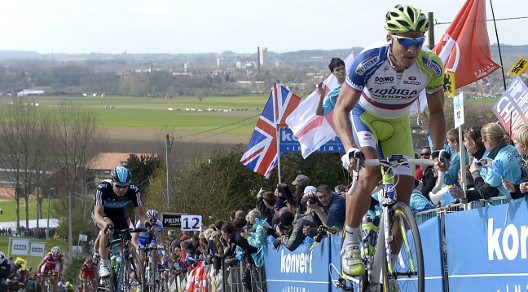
393	162
123	232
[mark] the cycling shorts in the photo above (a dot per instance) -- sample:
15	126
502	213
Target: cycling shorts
145	242
45	269
388	136
88	274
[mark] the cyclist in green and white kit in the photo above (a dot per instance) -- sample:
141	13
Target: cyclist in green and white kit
383	82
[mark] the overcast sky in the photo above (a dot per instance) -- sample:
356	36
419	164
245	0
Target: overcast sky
198	26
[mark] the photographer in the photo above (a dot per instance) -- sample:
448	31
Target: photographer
328	206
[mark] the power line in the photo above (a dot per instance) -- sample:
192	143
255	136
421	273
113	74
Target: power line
220	127
498	19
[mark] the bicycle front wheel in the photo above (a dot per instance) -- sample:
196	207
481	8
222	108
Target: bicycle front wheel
407	273
135	270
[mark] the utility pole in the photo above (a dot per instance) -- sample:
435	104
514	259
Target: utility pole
70	232
167	161
430	18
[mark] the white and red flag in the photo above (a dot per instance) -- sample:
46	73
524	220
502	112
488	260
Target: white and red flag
313	131
464	47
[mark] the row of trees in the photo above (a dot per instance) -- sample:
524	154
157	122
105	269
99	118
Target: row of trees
43	151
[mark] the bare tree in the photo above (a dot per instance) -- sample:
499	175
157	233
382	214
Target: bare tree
22	129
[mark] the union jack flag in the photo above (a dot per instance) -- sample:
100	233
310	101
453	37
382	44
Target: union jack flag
261	154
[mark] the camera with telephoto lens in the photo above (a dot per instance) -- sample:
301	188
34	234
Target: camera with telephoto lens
321	233
313	199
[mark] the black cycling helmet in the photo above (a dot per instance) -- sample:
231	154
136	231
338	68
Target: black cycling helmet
121	174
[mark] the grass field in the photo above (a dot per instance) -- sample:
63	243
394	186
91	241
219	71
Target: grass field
235	115
9	206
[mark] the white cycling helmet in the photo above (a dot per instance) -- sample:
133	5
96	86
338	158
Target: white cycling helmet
55	251
152	214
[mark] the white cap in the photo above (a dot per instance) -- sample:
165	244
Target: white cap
310	189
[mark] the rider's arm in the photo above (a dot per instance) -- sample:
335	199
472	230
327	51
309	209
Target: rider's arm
100	218
41	264
346	101
437	130
139	212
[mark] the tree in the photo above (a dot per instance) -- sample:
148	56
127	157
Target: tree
218	183
23	133
142	167
75	137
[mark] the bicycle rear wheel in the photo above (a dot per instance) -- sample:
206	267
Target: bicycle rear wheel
408	271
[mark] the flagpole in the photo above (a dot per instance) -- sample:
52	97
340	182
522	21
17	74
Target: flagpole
278	153
498	45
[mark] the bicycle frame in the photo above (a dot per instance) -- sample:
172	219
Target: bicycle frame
388	199
120	286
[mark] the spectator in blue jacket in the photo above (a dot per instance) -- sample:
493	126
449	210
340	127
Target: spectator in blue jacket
500	162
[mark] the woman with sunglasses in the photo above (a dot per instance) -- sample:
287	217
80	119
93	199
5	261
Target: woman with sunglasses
111	198
383	82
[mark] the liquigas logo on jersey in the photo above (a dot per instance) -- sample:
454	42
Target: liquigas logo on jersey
507	243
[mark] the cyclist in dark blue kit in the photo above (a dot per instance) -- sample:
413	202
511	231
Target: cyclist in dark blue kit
111	198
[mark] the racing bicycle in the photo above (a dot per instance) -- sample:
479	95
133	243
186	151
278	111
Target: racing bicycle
130	270
397	227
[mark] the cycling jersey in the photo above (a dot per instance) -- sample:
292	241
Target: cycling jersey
51	264
145	238
88	270
388	94
113	204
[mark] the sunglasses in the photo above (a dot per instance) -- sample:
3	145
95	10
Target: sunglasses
425	154
407	42
121	186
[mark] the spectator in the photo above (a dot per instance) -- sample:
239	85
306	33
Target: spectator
453	143
500	163
5	270
266	202
291	227
520	140
257	238
329	207
428	176
172	241
425	153
418	201
476	150
300	182
327	103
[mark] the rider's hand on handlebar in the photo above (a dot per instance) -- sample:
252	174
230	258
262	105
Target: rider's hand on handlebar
440	158
349	159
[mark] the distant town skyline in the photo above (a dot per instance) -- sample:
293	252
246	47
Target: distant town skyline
207	26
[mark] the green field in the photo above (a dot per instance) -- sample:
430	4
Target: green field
9	210
237	115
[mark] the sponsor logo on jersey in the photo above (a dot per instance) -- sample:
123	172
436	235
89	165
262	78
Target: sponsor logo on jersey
368	136
366	64
353	85
412	77
411	82
431	64
393	93
383	80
